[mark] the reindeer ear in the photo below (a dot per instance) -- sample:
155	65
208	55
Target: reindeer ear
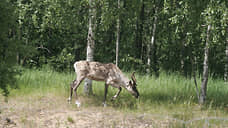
130	82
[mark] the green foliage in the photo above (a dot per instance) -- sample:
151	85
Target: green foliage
55	33
48	28
62	61
7	46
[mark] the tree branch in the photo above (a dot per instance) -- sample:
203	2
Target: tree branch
42	47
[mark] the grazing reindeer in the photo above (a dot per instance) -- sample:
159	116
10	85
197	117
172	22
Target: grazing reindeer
109	73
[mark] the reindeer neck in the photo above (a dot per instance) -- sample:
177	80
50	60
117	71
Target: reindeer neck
124	80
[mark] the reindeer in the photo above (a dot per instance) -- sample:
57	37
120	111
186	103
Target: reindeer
109	73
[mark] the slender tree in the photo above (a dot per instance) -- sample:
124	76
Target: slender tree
90	44
226	59
203	90
225	24
118	34
152	47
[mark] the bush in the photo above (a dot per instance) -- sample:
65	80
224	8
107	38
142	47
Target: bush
7	47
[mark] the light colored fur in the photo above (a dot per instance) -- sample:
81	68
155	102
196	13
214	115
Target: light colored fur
109	73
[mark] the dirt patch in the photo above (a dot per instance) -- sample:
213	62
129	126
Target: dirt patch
52	112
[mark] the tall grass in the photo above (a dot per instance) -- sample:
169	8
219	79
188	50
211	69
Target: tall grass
42	81
167	89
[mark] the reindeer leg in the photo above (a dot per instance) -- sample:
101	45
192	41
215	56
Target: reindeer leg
71	90
117	94
75	91
105	94
74	88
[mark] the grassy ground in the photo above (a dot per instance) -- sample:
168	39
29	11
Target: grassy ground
167	101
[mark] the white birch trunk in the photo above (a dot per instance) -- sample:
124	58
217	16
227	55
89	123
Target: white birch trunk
148	58
118	35
226	59
182	56
203	90
151	45
90	45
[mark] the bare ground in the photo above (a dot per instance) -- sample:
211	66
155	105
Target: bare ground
52	112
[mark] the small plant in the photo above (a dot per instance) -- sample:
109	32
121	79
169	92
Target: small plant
69	119
23	120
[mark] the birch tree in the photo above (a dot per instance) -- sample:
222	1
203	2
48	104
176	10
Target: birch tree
224	21
226	58
90	44
152	46
118	34
203	90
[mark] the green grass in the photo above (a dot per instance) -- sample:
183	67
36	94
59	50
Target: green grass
167	89
70	119
171	94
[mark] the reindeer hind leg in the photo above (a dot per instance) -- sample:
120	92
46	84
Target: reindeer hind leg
105	94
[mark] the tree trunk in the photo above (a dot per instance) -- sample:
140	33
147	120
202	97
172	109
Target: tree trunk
193	61
152	47
203	90
226	59
182	58
90	45
118	35
19	38
139	32
148	58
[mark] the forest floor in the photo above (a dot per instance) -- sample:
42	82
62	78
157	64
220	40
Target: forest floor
55	112
49	111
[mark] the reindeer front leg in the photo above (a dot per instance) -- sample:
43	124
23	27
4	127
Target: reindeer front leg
71	90
117	94
74	87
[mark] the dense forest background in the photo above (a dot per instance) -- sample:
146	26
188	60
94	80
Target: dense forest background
154	36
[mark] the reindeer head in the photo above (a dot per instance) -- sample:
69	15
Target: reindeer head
131	87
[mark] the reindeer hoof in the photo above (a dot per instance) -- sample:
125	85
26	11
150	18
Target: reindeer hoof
113	98
69	100
78	103
104	104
